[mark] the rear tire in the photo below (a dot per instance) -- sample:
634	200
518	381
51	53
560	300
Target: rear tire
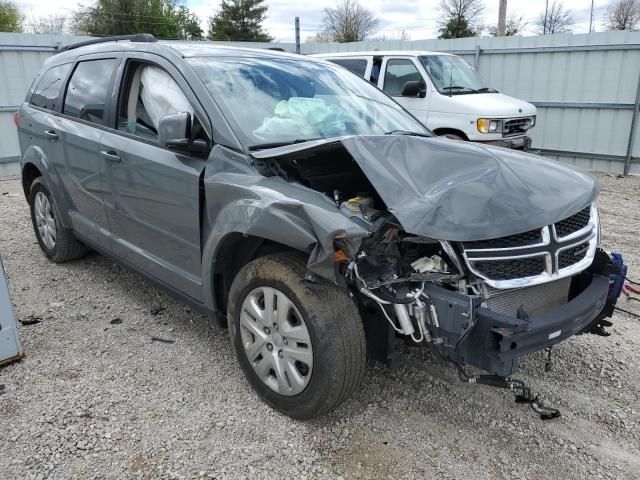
57	242
331	368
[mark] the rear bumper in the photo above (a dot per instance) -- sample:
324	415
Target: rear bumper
517	143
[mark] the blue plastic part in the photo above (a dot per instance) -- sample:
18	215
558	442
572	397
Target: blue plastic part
617	279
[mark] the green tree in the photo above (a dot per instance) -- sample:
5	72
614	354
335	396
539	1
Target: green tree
456	28
10	17
239	20
163	18
460	18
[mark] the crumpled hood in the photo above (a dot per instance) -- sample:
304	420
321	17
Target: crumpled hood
462	191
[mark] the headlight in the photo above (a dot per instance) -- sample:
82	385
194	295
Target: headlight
487	125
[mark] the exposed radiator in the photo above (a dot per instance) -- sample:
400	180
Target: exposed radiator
534	300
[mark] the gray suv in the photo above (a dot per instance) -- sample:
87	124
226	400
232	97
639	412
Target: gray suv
299	205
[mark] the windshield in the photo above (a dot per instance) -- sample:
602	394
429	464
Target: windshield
452	75
283	100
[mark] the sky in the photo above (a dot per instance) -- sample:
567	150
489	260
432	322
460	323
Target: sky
418	18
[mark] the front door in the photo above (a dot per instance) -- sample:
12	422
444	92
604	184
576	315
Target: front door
396	71
152	194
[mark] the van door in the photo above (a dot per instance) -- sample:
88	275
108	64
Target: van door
152	194
396	72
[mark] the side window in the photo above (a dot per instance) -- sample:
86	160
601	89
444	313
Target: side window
356	65
148	94
47	90
399	71
89	90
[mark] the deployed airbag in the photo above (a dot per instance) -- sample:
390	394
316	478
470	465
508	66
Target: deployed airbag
161	95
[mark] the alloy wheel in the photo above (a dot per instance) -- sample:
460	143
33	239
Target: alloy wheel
45	220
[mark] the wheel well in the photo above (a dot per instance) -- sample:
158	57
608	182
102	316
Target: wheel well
444	131
235	252
29	173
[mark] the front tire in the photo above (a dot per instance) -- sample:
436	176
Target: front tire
304	359
56	242
452	136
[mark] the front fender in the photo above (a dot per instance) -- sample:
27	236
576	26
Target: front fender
274	210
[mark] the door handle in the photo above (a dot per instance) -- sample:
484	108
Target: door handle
110	155
51	135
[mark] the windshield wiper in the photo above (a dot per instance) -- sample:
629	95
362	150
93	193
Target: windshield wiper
487	90
262	146
407	132
458	87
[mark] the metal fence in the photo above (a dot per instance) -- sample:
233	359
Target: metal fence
586	87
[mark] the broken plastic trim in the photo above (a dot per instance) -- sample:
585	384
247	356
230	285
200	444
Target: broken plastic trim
523	392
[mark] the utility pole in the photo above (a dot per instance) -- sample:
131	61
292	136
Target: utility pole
502	17
546	19
298	35
591	18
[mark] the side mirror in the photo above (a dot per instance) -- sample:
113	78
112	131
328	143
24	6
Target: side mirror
414	88
174	130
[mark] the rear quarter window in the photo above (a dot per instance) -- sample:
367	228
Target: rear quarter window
89	90
47	90
357	66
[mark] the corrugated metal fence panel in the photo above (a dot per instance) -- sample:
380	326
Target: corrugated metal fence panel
578	77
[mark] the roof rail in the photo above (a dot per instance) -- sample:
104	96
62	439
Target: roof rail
138	37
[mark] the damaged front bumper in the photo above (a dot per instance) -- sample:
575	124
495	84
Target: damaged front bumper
497	341
468	332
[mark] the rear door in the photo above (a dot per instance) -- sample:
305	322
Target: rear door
83	121
152	194
40	127
396	71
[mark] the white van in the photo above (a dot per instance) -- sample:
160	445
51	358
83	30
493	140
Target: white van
445	93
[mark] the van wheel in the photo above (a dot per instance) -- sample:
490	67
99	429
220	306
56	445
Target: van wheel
301	345
452	136
57	242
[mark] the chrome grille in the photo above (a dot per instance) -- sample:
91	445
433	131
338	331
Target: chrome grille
537	256
516	126
573	223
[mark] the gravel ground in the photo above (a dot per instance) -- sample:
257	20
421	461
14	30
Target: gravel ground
96	397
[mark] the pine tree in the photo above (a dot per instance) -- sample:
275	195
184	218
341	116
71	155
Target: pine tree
239	20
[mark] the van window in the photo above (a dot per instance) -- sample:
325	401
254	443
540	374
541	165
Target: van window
47	91
399	71
89	90
356	65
